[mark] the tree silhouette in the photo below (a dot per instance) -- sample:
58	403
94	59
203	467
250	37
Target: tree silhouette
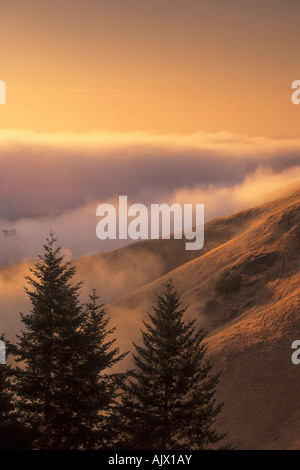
64	391
168	400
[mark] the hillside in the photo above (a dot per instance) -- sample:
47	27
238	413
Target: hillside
250	331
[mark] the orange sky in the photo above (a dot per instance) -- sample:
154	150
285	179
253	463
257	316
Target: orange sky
160	65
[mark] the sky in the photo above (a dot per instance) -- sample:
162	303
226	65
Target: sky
165	66
161	100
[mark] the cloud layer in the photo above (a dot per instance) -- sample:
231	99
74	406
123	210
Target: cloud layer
56	181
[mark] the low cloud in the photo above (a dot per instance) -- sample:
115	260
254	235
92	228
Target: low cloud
56	181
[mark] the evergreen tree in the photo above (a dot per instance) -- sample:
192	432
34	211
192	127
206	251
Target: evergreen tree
100	389
168	400
64	354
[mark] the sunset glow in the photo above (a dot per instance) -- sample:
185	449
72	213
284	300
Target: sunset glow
150	66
